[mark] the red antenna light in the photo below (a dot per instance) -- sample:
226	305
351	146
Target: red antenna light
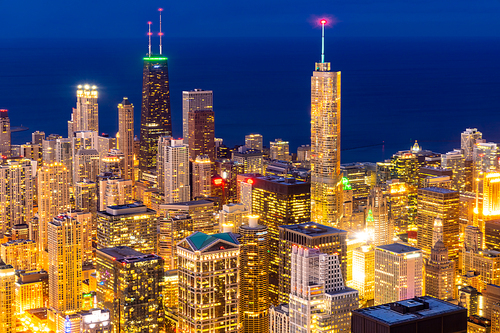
323	21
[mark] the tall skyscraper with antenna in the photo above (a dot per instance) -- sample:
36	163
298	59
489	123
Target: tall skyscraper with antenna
326	179
155	110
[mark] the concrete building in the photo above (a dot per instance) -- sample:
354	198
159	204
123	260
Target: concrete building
126	136
7	298
253	141
194	100
5	138
200	260
173	170
22	254
398	273
279	150
202	177
86	115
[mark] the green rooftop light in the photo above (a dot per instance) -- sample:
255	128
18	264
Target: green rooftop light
370	218
345	184
155	58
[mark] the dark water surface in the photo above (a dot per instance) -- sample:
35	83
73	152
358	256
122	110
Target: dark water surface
393	90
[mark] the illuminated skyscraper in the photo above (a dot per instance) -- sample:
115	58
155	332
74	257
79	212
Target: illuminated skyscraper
254	278
17	186
173	170
202	213
280	150
132	225
326	178
86	165
251	159
363	272
253	141
126	139
53	199
327	239
155	110
129	287
194	100
436	202
5	140
232	216
468	140
86	197
201	133
86	115
378	223
202	177
65	265
279	202
398	273
461	167
7	298
439	270
319	301
209	283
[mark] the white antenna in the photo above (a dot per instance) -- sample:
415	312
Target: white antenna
149	34
160	33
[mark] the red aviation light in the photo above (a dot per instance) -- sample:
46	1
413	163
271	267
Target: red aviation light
218	181
250	181
323	21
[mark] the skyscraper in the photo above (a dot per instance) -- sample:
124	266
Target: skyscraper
443	203
86	115
202	177
378	223
5	140
254	277
126	139
132	225
209	301
17	186
201	131
65	265
398	273
327	239
279	202
86	165
194	100
129	287
439	270
469	137
253	141
279	150
7	298
173	170
326	179
155	109
53	199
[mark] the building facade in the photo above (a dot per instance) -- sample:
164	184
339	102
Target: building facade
126	136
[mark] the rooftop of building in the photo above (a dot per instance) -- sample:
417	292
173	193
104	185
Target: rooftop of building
410	310
344	291
313	229
128	209
438	190
40	313
187	203
281	180
18	242
200	240
398	248
127	255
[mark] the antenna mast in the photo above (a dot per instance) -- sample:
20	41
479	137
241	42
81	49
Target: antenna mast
160	33
149	34
323	22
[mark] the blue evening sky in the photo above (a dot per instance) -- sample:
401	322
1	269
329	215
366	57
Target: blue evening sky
255	18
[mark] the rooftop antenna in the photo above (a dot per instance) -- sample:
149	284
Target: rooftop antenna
160	33
149	34
323	22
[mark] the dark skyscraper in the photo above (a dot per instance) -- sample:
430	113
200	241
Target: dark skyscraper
155	110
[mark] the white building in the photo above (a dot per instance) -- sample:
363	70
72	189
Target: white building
398	273
173	169
319	301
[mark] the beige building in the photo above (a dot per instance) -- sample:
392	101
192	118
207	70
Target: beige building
202	177
209	295
7	299
126	136
22	254
115	191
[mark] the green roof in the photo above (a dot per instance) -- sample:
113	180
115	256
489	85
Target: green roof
200	239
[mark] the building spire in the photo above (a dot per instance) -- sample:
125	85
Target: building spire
160	33
323	22
149	34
